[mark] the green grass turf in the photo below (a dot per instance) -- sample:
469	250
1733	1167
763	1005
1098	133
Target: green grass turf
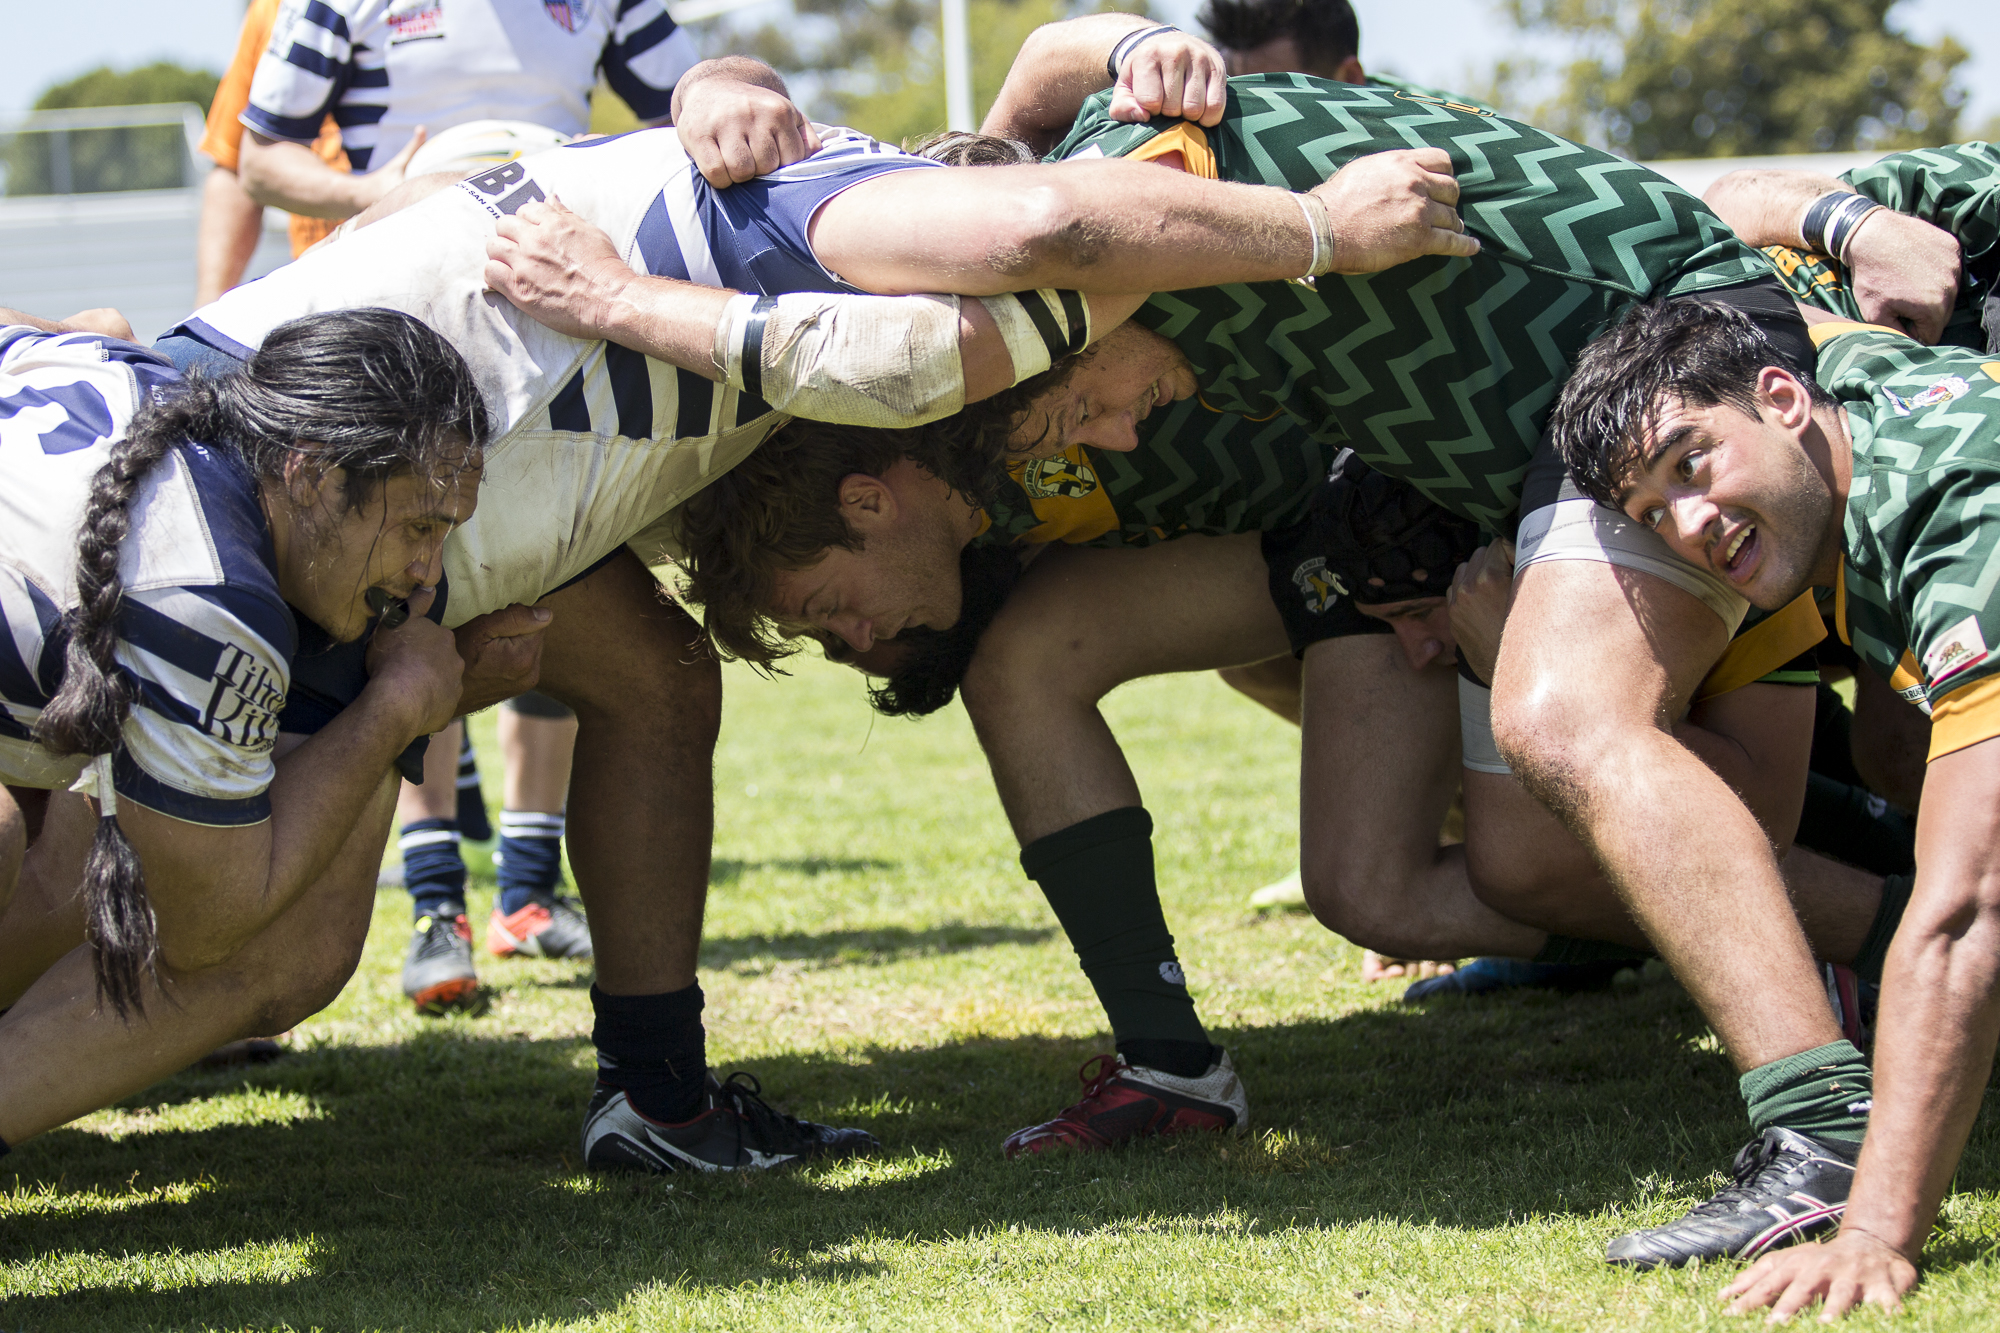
875	956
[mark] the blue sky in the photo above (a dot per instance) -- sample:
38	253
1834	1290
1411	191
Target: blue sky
1436	41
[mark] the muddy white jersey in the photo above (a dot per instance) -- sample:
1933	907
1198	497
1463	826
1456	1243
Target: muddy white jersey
593	442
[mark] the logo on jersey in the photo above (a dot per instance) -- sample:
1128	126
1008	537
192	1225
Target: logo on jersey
1045	478
416	21
1942	391
1318	587
1170	972
503	189
569	13
1961	647
243	708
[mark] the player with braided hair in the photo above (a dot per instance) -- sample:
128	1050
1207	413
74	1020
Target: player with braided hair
170	547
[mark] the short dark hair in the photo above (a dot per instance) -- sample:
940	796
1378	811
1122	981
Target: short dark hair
1689	351
1325	31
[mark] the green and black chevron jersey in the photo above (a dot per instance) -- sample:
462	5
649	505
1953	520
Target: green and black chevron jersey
1195	471
1919	594
1440	371
1956	188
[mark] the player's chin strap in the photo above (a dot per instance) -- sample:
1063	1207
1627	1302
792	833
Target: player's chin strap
881	360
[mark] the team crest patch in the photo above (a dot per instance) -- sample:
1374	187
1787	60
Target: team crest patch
1045	478
417	21
1942	391
569	13
1170	972
1316	585
1961	647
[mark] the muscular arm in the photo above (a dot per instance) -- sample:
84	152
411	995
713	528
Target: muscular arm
212	889
566	273
1062	64
1112	226
226	237
1933	1053
1904	271
1766	207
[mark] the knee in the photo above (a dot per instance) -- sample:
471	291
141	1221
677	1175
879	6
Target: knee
1019	659
1356	899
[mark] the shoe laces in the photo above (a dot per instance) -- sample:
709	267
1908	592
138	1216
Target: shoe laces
759	1122
439	938
1752	1165
1097	1073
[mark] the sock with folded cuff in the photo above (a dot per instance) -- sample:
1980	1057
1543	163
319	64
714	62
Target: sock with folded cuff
1826	1092
529	858
433	870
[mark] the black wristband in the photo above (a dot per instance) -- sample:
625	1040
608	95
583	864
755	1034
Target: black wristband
753	345
1128	43
1830	221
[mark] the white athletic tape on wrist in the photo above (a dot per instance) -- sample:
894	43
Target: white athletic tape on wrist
1319	221
852	360
1040	327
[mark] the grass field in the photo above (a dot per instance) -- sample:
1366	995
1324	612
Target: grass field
876	957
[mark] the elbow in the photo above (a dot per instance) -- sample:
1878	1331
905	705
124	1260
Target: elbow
253	171
1044	236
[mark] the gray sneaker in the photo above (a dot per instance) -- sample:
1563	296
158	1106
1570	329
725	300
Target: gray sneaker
548	927
437	972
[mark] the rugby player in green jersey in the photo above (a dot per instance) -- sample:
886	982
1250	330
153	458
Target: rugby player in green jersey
1441	373
1872	474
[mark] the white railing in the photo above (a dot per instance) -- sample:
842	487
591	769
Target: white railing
60	125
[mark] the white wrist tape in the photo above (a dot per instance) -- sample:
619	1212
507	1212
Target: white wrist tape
852	360
1040	327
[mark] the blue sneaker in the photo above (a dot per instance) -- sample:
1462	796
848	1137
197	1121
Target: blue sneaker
1482	976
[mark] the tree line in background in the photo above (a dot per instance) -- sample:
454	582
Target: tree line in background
1735	78
1650	79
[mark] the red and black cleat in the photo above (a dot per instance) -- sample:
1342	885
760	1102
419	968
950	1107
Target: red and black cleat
1122	1101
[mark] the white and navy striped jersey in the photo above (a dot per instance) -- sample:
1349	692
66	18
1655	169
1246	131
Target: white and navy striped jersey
203	632
593	443
384	67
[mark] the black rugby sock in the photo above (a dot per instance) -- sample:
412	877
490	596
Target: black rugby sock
1854	825
1888	915
654	1047
1568	949
1098	876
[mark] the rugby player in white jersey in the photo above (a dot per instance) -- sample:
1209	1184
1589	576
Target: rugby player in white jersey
165	545
597	442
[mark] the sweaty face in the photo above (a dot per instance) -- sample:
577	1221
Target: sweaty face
906	573
1423	628
1736	494
1124	377
394	541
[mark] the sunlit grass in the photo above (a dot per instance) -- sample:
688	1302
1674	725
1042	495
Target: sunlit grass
875	956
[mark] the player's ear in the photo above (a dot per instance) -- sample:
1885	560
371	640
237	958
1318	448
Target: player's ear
1790	401
867	502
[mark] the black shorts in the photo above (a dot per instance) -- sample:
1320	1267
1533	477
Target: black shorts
1309	599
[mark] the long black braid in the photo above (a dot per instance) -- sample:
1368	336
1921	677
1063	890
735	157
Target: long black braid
374	392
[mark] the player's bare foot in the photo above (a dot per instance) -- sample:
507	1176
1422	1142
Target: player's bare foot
1376	967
